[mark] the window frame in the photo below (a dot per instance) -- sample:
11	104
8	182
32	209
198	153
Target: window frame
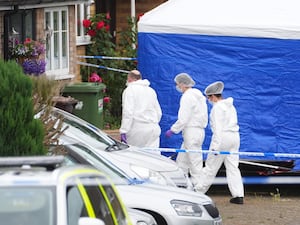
62	31
82	11
23	22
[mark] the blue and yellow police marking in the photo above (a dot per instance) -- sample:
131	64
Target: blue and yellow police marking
86	199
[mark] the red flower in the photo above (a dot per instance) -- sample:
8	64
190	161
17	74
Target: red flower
27	41
86	23
95	78
108	16
140	15
100	25
92	33
107	27
106	99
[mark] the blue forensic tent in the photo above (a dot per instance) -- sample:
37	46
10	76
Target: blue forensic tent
253	46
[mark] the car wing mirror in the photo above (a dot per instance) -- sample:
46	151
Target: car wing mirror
90	221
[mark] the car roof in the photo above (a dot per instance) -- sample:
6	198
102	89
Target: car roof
43	170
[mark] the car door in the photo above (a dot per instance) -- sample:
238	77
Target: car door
90	198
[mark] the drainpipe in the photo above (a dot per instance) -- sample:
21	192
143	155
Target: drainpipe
133	17
132	8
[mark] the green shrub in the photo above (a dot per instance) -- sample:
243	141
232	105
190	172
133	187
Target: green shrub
20	134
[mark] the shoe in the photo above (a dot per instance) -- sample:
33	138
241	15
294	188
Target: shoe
237	200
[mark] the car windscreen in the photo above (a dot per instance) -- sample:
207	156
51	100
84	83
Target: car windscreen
80	154
27	206
83	130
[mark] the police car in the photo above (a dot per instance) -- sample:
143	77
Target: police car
35	191
168	205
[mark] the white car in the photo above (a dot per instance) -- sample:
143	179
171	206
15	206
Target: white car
168	205
139	217
138	164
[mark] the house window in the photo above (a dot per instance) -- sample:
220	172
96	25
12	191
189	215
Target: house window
18	26
82	12
57	44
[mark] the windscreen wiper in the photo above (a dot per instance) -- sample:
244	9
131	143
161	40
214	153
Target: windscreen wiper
112	147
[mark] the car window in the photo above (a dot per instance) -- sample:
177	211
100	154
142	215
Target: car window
93	159
27	205
116	205
76	129
100	206
90	134
94	199
75	206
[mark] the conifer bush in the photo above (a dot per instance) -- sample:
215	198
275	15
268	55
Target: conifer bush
20	133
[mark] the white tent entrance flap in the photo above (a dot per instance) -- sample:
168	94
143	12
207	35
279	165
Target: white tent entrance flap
253	46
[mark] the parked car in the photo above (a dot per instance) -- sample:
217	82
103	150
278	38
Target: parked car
168	205
33	191
138	164
139	217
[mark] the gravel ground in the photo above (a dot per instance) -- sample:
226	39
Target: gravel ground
261	206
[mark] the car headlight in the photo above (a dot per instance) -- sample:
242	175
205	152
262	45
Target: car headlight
151	175
184	208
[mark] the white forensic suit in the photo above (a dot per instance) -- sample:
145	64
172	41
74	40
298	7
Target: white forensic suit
225	137
192	119
141	114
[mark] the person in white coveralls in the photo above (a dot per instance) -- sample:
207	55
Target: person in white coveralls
225	137
191	121
141	113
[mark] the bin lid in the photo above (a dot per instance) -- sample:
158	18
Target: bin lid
84	87
64	100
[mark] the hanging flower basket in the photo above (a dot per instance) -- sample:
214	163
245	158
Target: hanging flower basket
30	55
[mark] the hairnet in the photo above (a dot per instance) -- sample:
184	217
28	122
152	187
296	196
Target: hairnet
214	88
184	78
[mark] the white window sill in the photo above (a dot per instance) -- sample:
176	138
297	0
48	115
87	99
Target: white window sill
83	40
61	76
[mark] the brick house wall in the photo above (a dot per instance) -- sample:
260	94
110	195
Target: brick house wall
123	10
40	17
72	41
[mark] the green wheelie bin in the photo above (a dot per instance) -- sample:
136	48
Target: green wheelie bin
90	101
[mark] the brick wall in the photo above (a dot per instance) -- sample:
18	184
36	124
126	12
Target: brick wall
40	17
72	41
123	10
80	51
